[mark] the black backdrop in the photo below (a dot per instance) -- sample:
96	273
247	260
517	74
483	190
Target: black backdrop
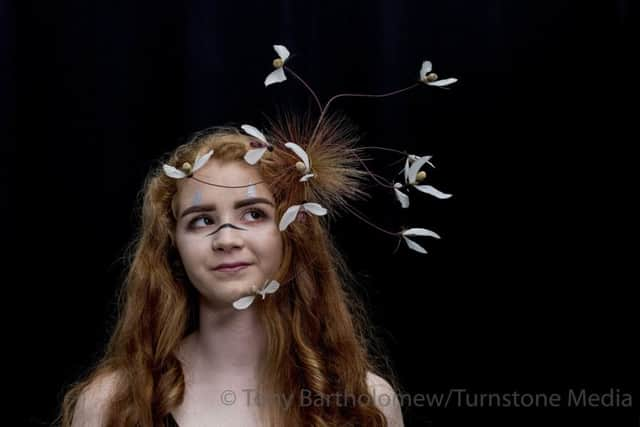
530	288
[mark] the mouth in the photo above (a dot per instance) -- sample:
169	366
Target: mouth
231	268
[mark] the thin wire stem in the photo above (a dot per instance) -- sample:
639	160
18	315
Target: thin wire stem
301	80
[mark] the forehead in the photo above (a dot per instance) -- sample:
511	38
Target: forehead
228	173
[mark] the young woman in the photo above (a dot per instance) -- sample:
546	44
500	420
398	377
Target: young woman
236	309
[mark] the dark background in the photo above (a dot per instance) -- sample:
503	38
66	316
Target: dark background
530	288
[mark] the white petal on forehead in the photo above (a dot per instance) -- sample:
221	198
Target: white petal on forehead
413	245
243	302
253	156
288	217
431	190
251	190
415	168
314	208
299	152
443	82
276	76
271	287
282	51
420	232
403	198
426	68
172	172
254	132
307	177
201	161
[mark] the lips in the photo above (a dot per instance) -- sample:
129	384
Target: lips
231	266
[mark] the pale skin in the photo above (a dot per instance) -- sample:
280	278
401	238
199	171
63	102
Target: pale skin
224	353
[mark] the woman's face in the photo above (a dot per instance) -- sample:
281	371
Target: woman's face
217	226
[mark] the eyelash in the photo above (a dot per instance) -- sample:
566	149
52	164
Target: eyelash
260	212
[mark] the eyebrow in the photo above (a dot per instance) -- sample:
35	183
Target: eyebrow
237	205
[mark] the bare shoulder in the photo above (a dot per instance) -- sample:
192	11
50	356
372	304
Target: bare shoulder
93	402
385	399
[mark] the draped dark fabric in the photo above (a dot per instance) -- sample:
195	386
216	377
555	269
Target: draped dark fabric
529	286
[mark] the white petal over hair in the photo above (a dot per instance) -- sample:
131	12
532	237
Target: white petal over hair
172	172
443	82
431	190
201	161
291	214
243	302
307	177
314	208
276	76
288	217
300	153
254	132
282	51
415	168
253	156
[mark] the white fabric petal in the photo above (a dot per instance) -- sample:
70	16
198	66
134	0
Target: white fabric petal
307	177
300	153
243	302
288	217
406	170
431	190
254	132
402	198
426	68
271	287
420	232
282	51
415	168
413	245
443	82
314	208
201	161
253	156
172	172
276	76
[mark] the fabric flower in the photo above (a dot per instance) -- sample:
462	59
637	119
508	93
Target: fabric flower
254	155
277	75
417	232
305	165
187	170
431	79
292	213
269	287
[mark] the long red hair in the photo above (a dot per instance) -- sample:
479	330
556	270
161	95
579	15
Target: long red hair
318	340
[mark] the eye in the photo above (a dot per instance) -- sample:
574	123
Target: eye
254	215
200	221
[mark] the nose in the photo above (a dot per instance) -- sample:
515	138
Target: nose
227	238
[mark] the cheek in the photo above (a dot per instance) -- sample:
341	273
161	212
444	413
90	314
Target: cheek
190	248
268	245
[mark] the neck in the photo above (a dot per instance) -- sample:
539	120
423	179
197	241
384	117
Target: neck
228	344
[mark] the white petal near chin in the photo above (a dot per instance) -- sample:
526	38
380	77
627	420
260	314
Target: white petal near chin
443	82
402	198
253	156
288	217
431	190
254	132
272	287
314	208
201	161
425	68
172	172
413	245
276	76
243	302
282	51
